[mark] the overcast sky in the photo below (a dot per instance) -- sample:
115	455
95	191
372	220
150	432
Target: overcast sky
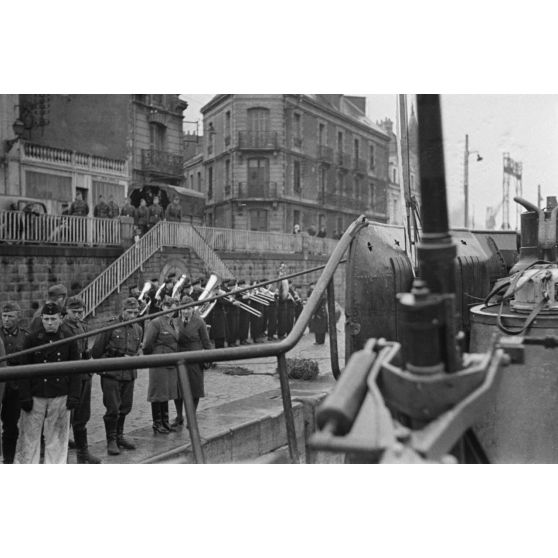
525	126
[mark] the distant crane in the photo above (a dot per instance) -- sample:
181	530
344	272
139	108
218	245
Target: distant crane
491	213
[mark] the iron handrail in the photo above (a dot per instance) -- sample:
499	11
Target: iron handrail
212	355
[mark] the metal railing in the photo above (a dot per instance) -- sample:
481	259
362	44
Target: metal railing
240	240
164	233
180	359
162	162
260	189
257	140
70	158
30	228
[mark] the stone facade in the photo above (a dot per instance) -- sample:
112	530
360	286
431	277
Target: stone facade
273	161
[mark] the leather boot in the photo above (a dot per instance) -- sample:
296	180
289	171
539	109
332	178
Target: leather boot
179	420
165	416
122	442
83	455
110	428
158	427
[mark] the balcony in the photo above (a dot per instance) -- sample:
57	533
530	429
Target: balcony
162	163
325	153
259	190
257	141
73	159
342	202
344	160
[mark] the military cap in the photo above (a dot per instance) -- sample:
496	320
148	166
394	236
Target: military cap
196	282
75	303
186	283
11	307
170	276
169	301
186	299
50	309
155	279
130	303
242	282
57	290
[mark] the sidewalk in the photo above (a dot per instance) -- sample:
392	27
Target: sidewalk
221	390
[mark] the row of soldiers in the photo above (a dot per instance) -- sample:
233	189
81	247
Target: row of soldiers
144	216
231	325
37	413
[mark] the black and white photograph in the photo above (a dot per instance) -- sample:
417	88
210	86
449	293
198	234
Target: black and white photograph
327	244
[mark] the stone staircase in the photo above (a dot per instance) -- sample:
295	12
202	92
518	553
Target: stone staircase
163	235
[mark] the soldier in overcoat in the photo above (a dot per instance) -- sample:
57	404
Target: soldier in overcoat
118	386
192	336
161	337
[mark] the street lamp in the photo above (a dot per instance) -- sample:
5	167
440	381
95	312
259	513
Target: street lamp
466	177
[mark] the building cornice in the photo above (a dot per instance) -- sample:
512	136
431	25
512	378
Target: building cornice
335	113
214	102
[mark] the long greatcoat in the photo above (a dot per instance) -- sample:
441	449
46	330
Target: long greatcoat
161	337
192	336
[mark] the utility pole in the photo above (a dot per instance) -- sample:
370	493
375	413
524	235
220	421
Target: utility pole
466	181
539	197
466	178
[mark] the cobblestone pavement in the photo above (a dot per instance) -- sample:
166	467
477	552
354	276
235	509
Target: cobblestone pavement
220	388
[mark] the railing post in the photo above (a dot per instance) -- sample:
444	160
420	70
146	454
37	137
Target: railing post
288	408
332	327
186	392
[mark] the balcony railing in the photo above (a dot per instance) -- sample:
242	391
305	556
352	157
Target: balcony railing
263	189
325	153
73	159
28	228
344	160
257	140
237	240
162	162
343	202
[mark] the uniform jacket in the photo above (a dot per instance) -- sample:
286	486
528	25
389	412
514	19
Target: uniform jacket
102	210
79	207
13	342
156	213
173	212
142	215
50	386
128	211
192	336
121	341
161	337
72	329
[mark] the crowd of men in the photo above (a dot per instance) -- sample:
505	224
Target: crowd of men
145	216
38	413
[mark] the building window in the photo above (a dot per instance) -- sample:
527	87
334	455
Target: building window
228	127
322	136
323	180
340	142
394	172
357	188
296	217
258	220
209	183
199	181
372	195
258	120
372	157
297	129
340	182
157	136
192	181
296	176
356	149
228	177
210	138
157	100
48	186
